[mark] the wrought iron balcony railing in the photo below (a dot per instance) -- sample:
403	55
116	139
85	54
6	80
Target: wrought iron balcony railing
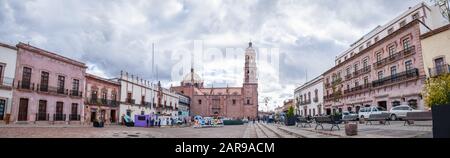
6	83
59	117
395	57
413	73
42	116
439	70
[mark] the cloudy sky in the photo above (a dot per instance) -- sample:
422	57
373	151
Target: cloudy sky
114	35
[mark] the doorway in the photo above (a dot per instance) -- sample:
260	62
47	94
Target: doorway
113	116
23	110
382	104
93	115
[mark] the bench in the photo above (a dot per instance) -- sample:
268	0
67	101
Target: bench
417	116
383	118
348	118
302	121
327	120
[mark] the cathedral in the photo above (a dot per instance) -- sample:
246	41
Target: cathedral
228	102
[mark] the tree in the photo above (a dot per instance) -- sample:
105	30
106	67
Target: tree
444	7
290	112
437	90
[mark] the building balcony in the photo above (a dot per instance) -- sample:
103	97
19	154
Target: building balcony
59	117
52	90
440	70
42	116
357	89
76	93
129	101
305	102
362	71
25	85
102	102
74	117
403	76
6	83
395	57
348	77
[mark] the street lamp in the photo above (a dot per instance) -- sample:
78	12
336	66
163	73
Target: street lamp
443	7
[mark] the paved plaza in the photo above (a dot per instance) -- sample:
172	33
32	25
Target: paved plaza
257	130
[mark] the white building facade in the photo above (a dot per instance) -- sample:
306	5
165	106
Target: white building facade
8	58
137	97
309	98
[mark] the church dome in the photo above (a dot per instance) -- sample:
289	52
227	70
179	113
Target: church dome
192	79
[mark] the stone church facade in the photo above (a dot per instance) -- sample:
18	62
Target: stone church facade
229	102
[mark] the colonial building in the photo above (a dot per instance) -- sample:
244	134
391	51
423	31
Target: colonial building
385	67
8	56
183	106
436	51
47	87
140	97
231	102
309	98
101	99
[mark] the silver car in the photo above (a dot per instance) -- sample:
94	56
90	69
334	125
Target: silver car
399	112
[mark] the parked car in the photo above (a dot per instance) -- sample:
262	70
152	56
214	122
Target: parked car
399	112
366	111
347	113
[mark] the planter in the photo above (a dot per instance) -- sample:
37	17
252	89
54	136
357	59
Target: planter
290	121
441	121
351	129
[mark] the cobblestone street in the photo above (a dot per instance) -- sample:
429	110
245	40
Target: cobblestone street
257	130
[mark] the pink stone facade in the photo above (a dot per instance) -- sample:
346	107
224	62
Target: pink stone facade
377	76
47	87
101	99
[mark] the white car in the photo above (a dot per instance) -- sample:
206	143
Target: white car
347	113
366	111
399	112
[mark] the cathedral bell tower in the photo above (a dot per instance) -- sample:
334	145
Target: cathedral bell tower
250	65
250	86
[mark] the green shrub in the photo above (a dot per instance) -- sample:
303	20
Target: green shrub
233	122
437	90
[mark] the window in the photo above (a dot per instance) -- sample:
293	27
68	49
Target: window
365	63
348	71
351	54
379	56
368	44
356	67
380	74
1	74
26	78
129	98
42	111
366	80
316	94
361	48
75	87
408	65
348	87
415	16
61	80
104	95
74	109
393	70
234	101
143	100
59	111
248	101
391	30
406	44
309	96
403	23
199	101
356	83
44	81
376	39
391	50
